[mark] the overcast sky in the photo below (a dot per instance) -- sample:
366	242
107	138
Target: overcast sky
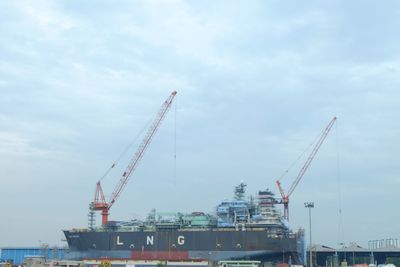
257	81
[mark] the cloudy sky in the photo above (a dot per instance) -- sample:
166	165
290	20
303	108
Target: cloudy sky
256	80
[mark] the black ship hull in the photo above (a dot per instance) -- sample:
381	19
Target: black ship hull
207	244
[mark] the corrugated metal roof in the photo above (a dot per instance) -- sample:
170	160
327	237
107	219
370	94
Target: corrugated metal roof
353	247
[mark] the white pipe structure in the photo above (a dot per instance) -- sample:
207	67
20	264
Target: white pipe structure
310	205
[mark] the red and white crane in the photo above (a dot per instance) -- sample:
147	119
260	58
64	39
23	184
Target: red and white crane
100	202
285	197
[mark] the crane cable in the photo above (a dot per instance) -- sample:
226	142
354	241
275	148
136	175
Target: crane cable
176	104
340	215
126	149
301	155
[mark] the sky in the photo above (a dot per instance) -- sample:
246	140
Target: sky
257	81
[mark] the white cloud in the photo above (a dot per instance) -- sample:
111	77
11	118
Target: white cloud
12	144
46	17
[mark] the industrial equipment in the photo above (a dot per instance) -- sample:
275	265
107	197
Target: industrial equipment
100	202
285	196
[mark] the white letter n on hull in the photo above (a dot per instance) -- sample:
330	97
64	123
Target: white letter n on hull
150	240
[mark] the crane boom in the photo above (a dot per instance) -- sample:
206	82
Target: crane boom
285	197
100	202
142	148
311	157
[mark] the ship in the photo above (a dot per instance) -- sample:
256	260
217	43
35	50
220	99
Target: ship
238	229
